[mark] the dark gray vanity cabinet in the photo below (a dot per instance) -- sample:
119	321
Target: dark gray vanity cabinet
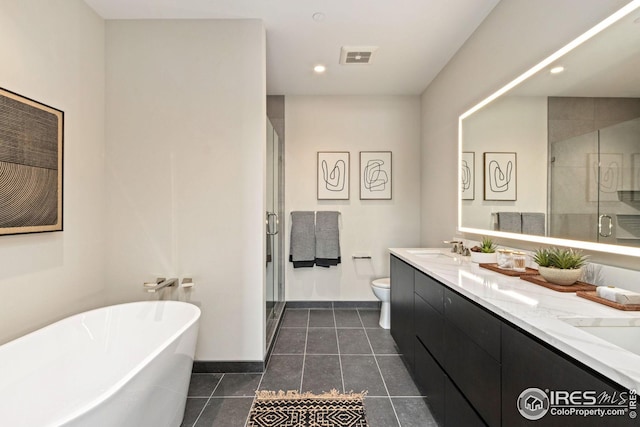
527	363
473	365
402	307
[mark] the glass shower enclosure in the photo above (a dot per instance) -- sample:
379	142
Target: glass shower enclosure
595	185
274	292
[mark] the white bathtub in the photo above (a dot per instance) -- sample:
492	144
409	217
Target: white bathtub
118	366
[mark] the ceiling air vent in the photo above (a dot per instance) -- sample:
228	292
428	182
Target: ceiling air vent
357	54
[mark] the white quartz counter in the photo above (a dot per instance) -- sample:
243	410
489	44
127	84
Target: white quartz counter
544	313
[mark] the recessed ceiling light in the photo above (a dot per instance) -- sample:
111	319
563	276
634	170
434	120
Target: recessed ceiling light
318	16
319	68
556	70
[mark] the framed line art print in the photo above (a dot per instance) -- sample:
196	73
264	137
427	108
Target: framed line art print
375	175
468	175
500	172
333	175
31	137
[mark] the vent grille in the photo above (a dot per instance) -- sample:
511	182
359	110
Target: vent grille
357	54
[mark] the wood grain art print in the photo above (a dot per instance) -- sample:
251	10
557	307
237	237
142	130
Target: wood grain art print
31	137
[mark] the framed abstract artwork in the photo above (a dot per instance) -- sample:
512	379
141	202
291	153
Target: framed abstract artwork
467	175
333	175
500	176
31	135
375	175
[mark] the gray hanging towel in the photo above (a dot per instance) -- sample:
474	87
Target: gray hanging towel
533	223
510	222
302	250
327	239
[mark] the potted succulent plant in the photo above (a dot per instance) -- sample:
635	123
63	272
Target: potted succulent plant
560	266
485	253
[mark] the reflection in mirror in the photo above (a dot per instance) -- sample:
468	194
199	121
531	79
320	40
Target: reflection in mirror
576	136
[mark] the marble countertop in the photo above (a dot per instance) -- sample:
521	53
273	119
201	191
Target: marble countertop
544	313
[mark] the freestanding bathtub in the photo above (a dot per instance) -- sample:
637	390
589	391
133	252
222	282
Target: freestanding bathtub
118	366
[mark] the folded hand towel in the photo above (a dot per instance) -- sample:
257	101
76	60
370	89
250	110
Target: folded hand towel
510	222
533	223
621	296
302	251
327	239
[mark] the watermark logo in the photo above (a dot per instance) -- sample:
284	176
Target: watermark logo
533	404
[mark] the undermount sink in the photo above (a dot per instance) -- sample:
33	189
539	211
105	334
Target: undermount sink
427	253
624	333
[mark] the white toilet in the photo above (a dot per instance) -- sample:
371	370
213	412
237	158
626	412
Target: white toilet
382	290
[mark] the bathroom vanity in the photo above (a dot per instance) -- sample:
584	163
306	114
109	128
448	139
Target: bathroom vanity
475	340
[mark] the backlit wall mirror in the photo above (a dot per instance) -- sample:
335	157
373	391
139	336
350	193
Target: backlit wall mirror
554	156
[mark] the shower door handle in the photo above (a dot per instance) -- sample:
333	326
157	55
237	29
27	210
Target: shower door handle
275	215
610	230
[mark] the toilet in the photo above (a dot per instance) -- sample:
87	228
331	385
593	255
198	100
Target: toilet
382	290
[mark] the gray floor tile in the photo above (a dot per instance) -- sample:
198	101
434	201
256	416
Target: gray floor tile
202	385
379	412
321	374
361	374
225	412
353	341
238	385
413	412
370	318
283	373
322	341
382	341
192	410
291	341
396	376
295	318
347	319
321	318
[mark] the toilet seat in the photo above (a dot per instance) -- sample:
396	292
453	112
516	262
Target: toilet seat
384	283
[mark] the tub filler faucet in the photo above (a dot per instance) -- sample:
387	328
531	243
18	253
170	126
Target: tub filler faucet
161	283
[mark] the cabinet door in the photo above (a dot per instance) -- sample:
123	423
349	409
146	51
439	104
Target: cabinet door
474	372
402	329
526	363
429	326
458	412
431	379
430	290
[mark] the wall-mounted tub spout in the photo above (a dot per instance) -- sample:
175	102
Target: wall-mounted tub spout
161	283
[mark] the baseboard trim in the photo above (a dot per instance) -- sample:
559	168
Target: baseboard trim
333	304
218	367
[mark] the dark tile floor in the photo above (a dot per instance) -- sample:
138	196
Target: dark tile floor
318	350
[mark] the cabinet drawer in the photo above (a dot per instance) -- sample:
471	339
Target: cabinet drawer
430	290
458	412
475	373
429	326
431	380
477	324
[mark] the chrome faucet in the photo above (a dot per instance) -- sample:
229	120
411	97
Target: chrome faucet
458	247
161	283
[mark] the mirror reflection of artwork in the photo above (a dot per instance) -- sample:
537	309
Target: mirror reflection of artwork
375	175
333	175
605	179
500	176
30	165
467	175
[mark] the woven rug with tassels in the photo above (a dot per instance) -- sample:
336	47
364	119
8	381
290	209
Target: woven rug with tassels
293	409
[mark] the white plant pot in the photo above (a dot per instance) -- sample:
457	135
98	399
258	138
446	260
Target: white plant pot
558	276
484	258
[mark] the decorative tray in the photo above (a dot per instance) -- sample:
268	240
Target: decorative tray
591	295
578	286
507	271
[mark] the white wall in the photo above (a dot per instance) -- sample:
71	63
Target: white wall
186	110
353	124
509	124
514	37
53	52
